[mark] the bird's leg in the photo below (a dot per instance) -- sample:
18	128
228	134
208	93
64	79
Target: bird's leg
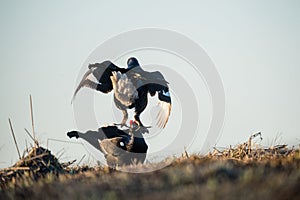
141	127
125	117
137	119
140	106
124	111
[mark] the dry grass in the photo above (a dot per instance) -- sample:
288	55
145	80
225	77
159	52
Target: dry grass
245	171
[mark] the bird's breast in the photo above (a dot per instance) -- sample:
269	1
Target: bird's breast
124	89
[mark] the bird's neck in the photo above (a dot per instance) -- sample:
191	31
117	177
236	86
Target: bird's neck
131	141
137	67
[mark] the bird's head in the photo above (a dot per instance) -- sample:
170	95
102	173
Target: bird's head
132	62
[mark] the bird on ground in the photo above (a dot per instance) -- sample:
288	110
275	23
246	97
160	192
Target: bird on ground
120	147
131	86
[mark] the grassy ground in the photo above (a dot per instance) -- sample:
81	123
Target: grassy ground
233	173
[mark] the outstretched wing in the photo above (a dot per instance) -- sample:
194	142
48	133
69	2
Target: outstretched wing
157	84
98	77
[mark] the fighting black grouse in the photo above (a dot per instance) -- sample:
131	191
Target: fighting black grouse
131	86
120	147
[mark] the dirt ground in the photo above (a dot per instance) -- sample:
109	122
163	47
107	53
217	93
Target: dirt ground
233	173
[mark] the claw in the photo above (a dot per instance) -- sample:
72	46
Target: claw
144	129
121	124
141	127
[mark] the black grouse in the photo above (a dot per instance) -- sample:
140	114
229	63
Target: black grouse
120	147
131	86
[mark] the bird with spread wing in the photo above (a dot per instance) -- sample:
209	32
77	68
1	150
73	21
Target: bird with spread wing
131	87
119	147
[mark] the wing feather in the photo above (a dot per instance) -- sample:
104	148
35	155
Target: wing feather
157	84
98	77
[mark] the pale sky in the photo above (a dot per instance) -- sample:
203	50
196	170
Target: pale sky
255	46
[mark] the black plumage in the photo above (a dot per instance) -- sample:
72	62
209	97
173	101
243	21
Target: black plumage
131	86
120	147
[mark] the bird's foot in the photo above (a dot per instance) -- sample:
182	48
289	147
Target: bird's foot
73	134
144	129
141	127
121	124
